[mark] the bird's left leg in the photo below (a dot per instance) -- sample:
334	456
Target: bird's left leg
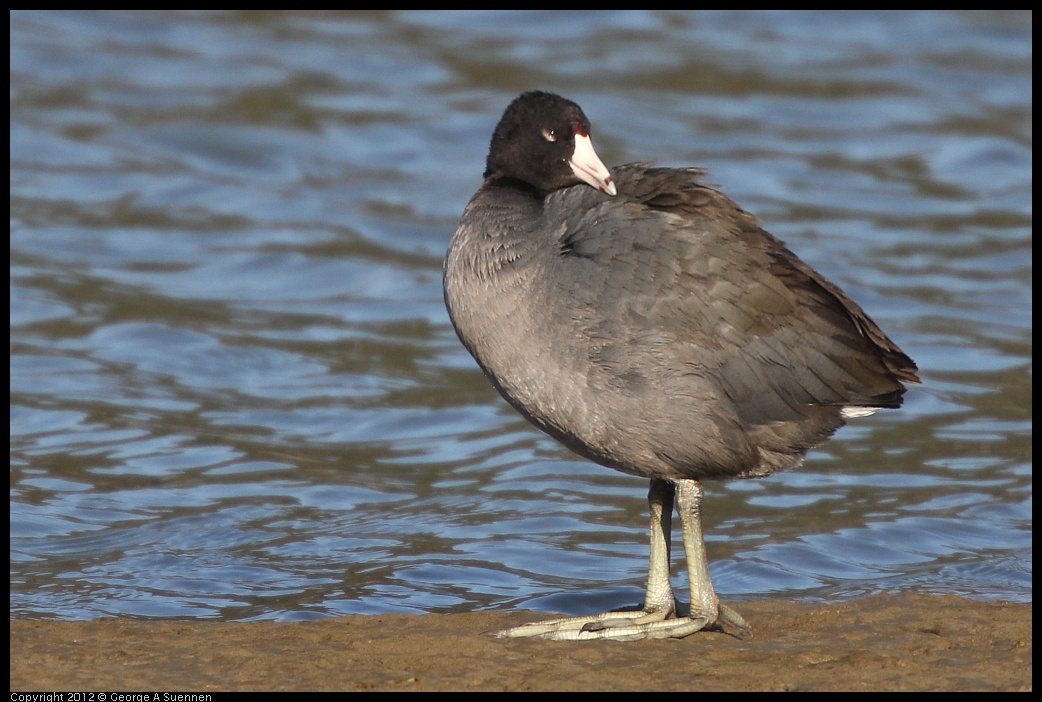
705	606
665	618
658	619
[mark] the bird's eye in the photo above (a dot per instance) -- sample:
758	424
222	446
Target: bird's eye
549	135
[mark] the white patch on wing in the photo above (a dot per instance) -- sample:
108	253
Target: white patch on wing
851	412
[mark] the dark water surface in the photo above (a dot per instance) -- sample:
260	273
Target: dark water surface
235	392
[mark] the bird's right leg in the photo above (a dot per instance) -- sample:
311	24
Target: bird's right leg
658	617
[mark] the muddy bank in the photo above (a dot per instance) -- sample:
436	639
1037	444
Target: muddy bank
907	642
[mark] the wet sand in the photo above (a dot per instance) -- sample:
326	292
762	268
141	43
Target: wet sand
906	642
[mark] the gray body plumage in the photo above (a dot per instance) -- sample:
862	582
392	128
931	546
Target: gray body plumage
661	332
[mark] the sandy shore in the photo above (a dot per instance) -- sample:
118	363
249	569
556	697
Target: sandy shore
907	642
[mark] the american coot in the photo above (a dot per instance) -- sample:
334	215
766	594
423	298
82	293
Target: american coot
649	324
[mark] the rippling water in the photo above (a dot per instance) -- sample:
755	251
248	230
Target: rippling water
235	392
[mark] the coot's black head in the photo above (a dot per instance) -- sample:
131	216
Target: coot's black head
543	140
